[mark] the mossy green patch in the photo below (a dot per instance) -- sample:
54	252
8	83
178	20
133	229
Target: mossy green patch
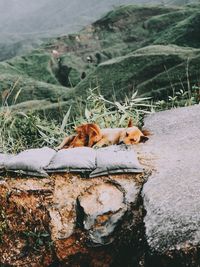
182	76
185	32
72	68
160	23
16	89
38	65
122	75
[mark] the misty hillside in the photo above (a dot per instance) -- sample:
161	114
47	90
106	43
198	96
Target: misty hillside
152	49
24	26
50	17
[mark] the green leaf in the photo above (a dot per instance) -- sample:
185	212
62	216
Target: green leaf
65	119
87	114
44	234
17	95
40	242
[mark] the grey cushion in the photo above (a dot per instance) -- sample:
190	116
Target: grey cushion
31	161
3	159
116	159
78	159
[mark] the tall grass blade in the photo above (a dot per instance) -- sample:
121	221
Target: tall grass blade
65	119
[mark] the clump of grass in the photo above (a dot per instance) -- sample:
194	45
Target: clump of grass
19	131
180	98
112	113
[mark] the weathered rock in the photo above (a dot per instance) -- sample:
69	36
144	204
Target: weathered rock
89	211
70	221
172	193
103	206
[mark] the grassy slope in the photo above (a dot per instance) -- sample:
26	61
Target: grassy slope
114	43
146	70
135	71
33	76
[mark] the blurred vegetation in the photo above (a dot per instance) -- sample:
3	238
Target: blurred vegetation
134	60
129	49
19	131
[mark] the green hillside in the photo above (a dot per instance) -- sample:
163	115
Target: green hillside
152	49
149	71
